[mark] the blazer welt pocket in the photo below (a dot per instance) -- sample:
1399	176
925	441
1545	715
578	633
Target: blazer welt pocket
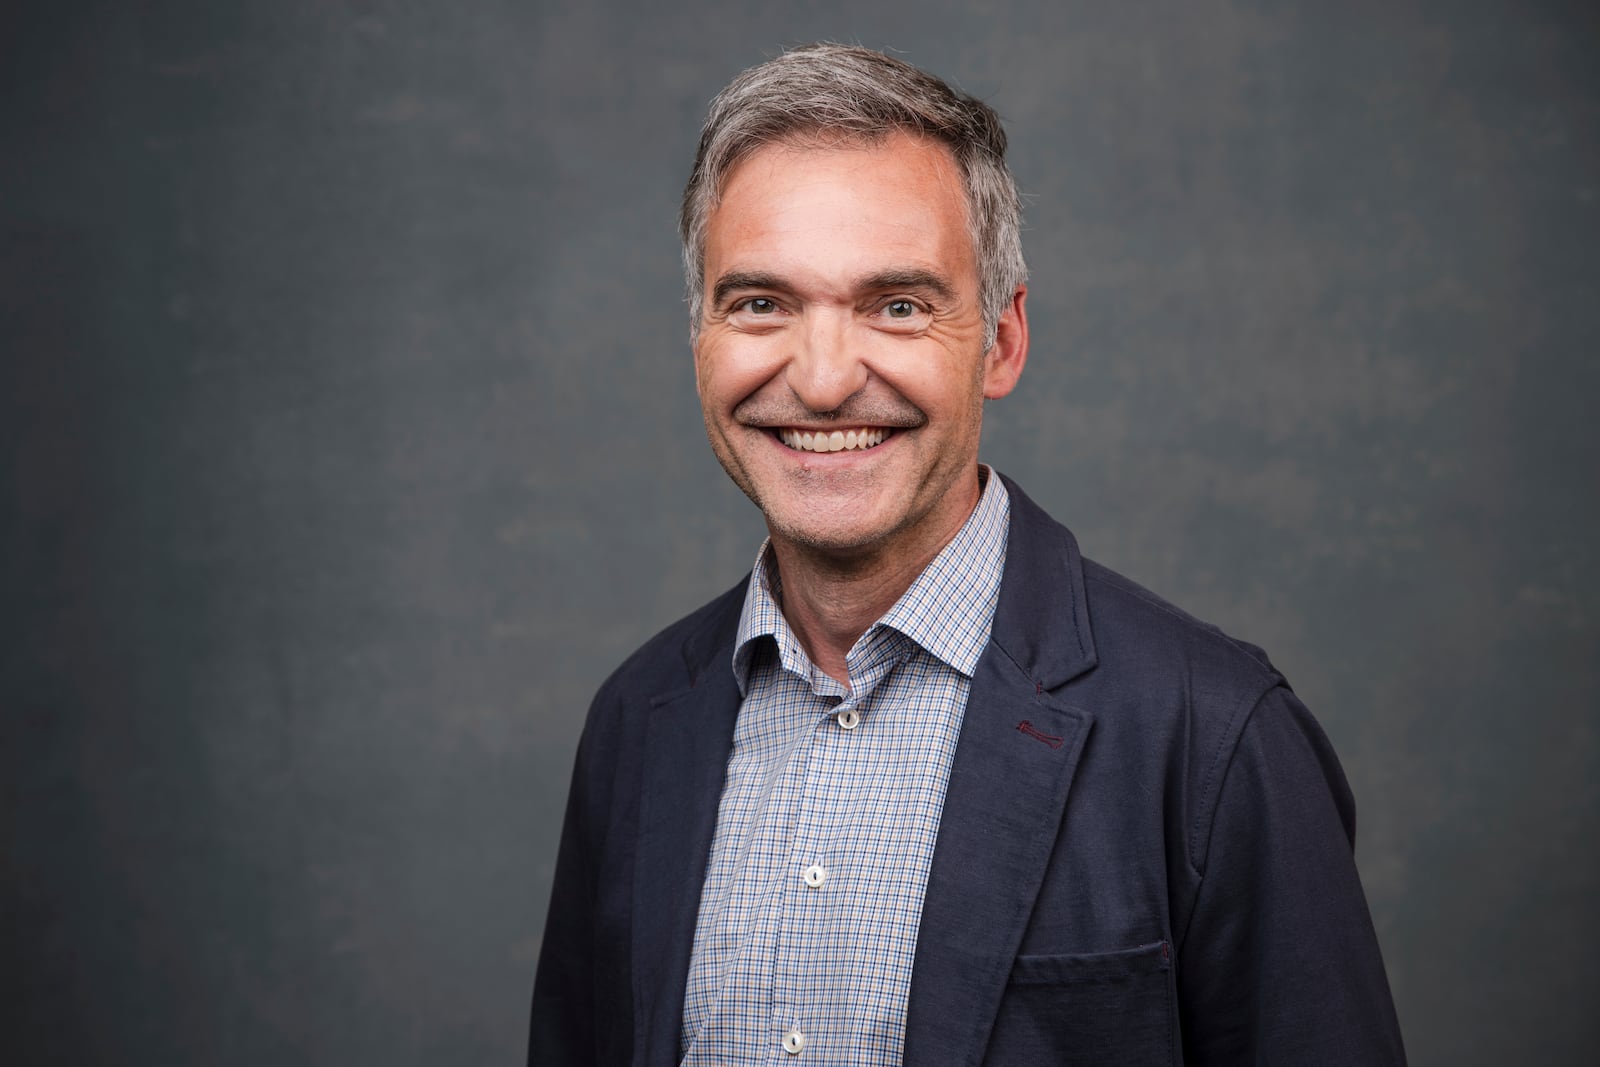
1099	1009
1092	967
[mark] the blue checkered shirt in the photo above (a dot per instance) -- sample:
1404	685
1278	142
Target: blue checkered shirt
808	918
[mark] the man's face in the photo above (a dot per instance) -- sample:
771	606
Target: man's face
839	361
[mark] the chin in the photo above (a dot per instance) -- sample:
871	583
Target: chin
852	532
829	540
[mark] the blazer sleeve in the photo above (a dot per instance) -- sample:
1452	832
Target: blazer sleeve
561	1031
1280	962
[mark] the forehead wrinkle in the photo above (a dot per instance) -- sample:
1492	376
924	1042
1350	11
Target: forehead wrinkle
928	157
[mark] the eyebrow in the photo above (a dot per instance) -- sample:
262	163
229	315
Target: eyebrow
909	278
734	281
912	278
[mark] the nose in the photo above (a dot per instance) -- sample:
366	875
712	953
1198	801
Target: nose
825	368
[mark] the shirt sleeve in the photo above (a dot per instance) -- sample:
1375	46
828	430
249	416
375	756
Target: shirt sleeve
1280	962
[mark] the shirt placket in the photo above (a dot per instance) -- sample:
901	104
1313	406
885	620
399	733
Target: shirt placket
833	751
794	911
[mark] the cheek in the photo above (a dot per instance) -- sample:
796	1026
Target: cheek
941	383
707	374
725	374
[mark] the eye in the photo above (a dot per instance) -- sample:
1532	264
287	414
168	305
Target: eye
759	305
900	309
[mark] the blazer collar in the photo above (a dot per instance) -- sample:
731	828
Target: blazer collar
688	735
1014	764
1042	621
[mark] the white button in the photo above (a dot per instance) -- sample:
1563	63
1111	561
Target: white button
794	1041
816	874
849	718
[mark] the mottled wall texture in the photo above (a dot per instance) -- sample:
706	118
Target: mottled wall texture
348	439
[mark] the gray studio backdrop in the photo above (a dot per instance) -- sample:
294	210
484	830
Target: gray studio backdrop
349	440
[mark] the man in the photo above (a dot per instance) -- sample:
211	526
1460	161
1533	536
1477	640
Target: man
928	787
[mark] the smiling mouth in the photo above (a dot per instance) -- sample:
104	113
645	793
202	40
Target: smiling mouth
858	440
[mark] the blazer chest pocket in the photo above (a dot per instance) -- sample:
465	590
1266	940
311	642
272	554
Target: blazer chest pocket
1103	1009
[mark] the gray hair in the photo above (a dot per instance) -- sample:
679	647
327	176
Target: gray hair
855	94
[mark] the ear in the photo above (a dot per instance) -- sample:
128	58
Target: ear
1003	363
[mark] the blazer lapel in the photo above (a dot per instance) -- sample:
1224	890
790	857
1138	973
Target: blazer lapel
688	737
1013	769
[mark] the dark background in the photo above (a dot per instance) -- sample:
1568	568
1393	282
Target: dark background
349	439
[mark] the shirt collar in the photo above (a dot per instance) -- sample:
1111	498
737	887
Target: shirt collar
948	610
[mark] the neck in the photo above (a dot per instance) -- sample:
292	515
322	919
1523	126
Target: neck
830	599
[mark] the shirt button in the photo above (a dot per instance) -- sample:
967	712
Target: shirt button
849	718
794	1041
816	874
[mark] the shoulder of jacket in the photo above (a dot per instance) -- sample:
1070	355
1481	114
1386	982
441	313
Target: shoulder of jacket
1129	619
669	659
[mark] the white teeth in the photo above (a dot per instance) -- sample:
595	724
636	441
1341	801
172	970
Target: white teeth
836	441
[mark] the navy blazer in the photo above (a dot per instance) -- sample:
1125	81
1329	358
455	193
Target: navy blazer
1144	856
